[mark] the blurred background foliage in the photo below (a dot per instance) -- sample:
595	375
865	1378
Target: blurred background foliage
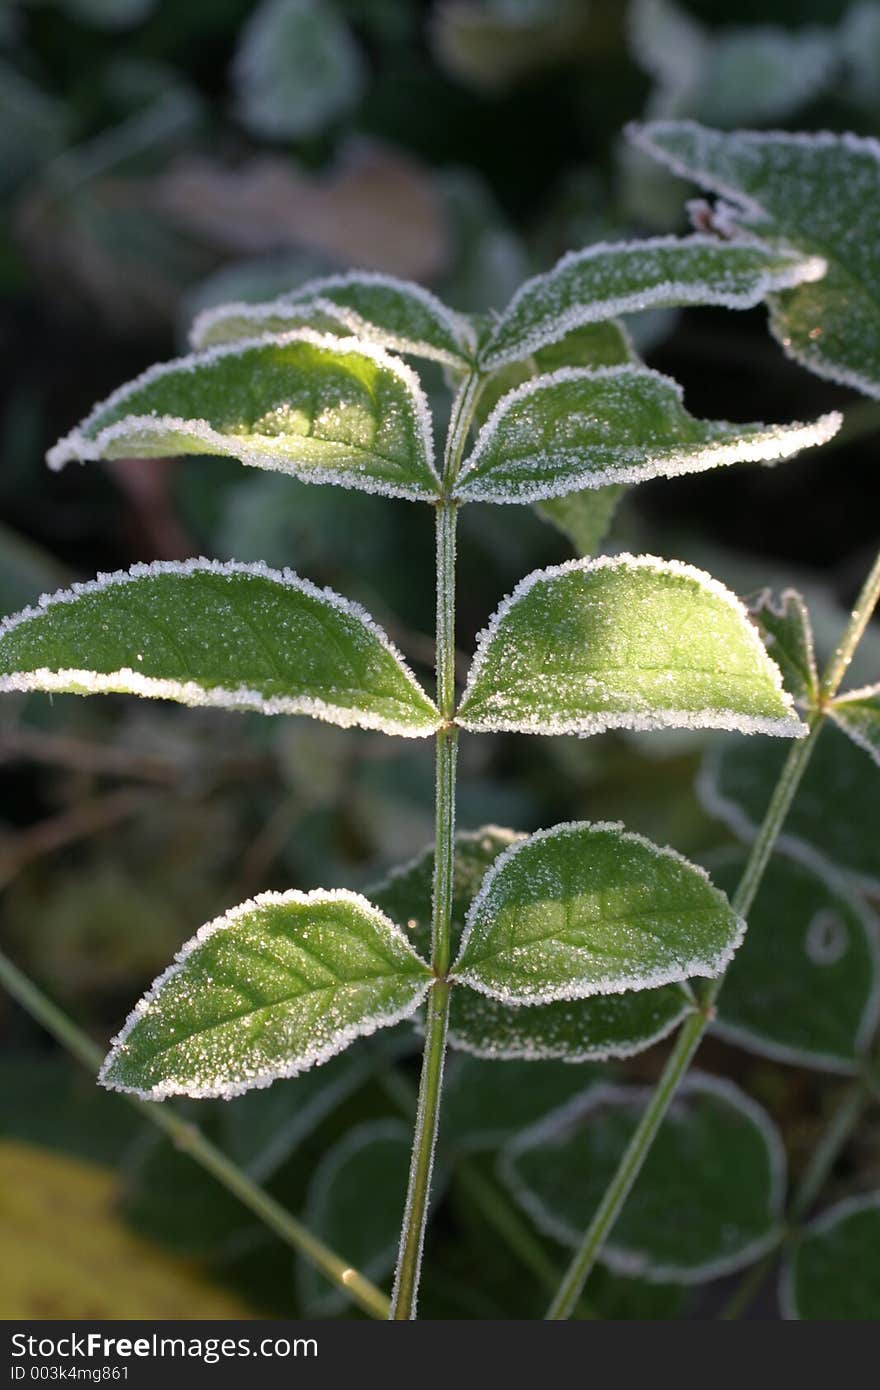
158	157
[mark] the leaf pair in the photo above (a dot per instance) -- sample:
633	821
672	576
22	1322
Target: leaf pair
288	980
636	643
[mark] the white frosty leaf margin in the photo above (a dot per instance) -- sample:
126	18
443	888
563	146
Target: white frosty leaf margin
634	1262
312	298
763	602
751	1041
597	723
618	983
822	1225
216	1087
774	443
126	681
736	200
556	323
837	711
80	447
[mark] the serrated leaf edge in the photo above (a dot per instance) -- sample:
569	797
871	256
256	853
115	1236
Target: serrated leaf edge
191	693
763	602
634	1263
596	723
836	712
620	984
305	1060
77	446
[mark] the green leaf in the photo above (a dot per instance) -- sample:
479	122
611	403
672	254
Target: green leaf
857	713
820	193
592	345
486	1104
230	635
323	409
623	642
788	635
578	1030
273	987
296	69
707	1201
592	909
613	278
580	428
804	987
354	1202
832	1273
583	517
394	313
834	811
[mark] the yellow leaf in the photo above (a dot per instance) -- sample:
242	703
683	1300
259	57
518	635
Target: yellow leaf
70	1255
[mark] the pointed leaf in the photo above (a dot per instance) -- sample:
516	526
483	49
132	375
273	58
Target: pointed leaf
585	517
857	713
834	811
623	642
397	314
325	409
820	193
805	985
296	69
832	1273
707	1201
229	635
354	1201
592	909
571	1030
578	428
788	635
273	987
614	278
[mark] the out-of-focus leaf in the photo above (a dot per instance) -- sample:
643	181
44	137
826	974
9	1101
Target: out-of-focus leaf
71	1257
804	986
355	1200
296	69
32	126
494	43
832	1273
707	1201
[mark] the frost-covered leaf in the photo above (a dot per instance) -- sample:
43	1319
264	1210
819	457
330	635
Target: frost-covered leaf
296	69
834	811
487	1102
354	1202
583	517
707	1201
397	314
571	1030
229	635
820	193
276	985
832	1273
857	713
805	985
579	428
585	909
327	410
759	72
787	630
623	642
611	278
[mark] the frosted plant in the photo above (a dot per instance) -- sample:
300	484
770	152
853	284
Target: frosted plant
581	942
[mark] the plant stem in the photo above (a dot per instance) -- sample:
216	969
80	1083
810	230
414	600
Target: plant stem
694	1028
412	1235
189	1138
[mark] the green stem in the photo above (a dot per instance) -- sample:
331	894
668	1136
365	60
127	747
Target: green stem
693	1030
412	1235
188	1137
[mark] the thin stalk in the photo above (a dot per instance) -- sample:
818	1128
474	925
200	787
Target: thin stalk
412	1235
189	1138
693	1030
